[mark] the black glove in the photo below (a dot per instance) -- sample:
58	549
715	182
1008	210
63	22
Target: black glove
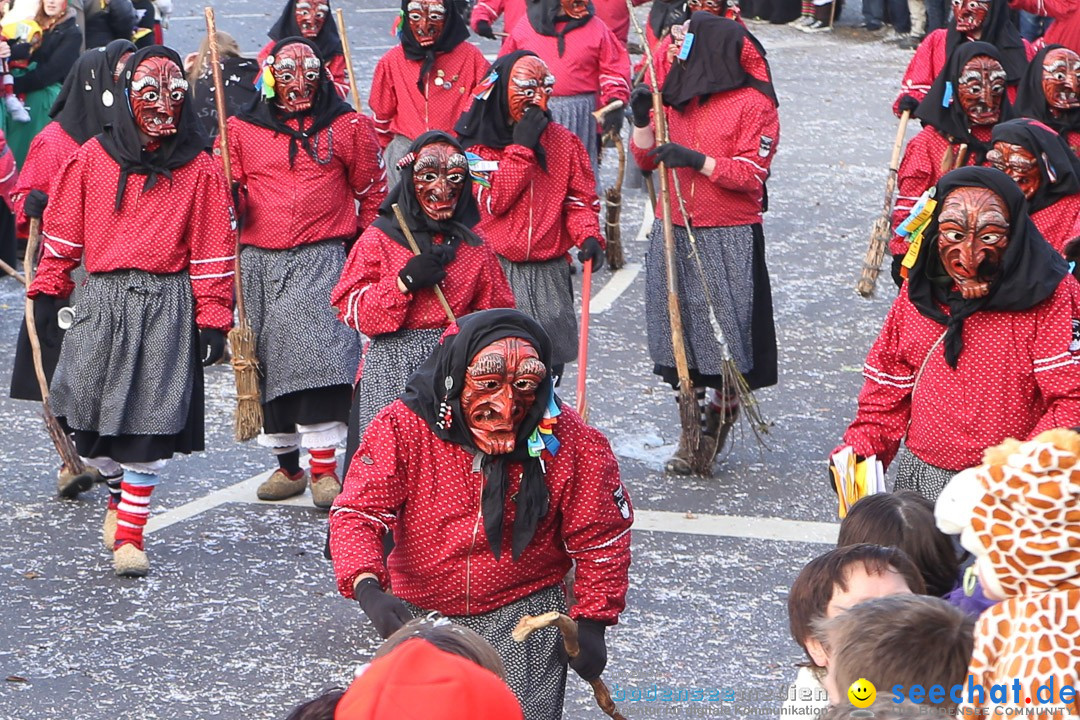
641	105
423	270
591	250
46	322
896	261
211	345
483	29
385	611
34	205
674	155
530	127
907	103
592	658
613	122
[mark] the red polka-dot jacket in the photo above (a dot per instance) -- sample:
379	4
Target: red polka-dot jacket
404	478
528	215
336	65
612	12
1059	223
49	152
309	202
1018	374
398	106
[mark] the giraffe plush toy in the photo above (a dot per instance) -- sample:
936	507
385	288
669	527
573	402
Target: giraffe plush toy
1019	514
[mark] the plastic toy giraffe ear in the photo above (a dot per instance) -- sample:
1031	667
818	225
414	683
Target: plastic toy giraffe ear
267	80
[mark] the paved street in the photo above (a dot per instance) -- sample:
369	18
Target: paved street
240	617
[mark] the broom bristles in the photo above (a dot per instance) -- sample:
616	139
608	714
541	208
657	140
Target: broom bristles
699	457
613	228
249	415
875	253
68	455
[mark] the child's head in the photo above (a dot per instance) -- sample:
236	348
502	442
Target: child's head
447	636
842	578
903	640
321	708
905	520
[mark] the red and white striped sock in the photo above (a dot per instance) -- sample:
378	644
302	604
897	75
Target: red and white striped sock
132	513
323	462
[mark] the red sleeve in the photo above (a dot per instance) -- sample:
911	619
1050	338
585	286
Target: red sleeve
1056	364
9	174
211	237
509	182
367	298
596	519
493	290
581	207
382	99
614	68
488	10
885	401
339	71
368	505
919	75
367	174
38	172
236	160
510	43
641	155
747	169
914	177
1057	9
62	237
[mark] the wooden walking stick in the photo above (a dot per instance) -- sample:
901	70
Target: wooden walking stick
73	464
881	231
416	251
569	630
698	453
613	209
583	339
12	272
348	59
248	420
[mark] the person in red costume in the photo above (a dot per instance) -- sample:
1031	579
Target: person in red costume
723	130
1065	28
147	212
426	81
536	191
973	20
1047	172
1050	92
982	344
385	291
951	118
297	151
484	14
493	488
311	20
591	64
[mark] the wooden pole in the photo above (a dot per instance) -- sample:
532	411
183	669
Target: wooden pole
583	339
416	251
348	59
12	272
882	228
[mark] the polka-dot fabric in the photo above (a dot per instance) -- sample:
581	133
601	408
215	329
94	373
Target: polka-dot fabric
528	215
1060	222
368	299
398	106
49	152
335	66
920	170
406	479
1018	374
188	217
286	207
740	130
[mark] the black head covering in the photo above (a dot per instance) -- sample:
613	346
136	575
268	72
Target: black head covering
1031	100
715	63
940	108
84	106
664	13
454	32
997	30
327	41
455	230
543	14
1030	272
1056	160
441	378
123	143
326	107
487	121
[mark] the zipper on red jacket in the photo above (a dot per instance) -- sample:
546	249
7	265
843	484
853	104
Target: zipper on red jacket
528	250
477	459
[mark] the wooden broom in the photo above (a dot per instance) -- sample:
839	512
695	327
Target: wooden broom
613	195
249	414
348	59
882	228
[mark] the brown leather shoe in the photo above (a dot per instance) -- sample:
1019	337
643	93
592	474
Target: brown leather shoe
324	490
280	486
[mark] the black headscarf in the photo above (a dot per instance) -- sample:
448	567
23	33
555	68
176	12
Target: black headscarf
441	378
454	32
84	106
487	121
1030	272
1056	160
455	230
543	14
327	41
997	30
326	107
665	13
714	64
123	143
1031	100
941	109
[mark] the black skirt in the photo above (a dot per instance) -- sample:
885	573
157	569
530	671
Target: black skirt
307	407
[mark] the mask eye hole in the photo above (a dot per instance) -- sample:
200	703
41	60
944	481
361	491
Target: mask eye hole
177	95
150	96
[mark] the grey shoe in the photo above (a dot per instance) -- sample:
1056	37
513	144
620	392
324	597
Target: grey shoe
130	561
280	486
324	490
